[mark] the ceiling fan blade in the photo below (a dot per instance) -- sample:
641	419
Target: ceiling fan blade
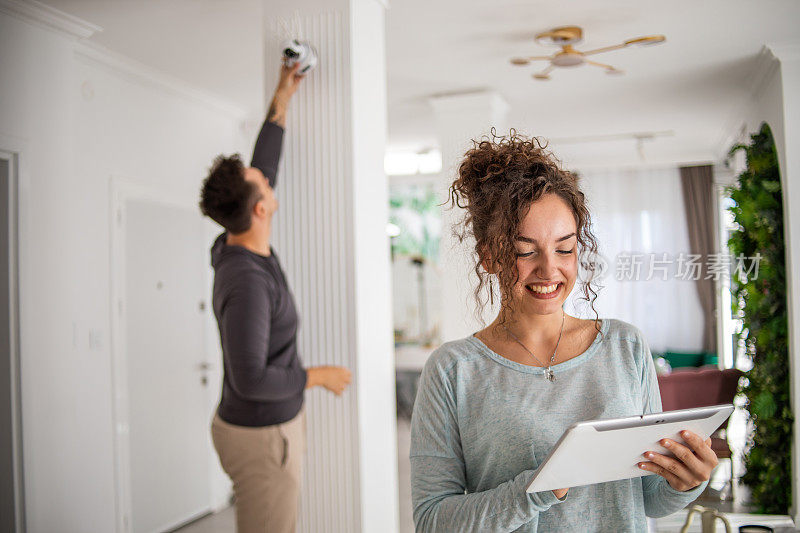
596	64
646	41
609	69
545	74
605	49
527	60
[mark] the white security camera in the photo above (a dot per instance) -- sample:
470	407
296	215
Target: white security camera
295	51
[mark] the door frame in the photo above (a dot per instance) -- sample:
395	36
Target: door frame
13	154
121	190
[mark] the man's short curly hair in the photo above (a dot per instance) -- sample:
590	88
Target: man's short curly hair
226	196
498	179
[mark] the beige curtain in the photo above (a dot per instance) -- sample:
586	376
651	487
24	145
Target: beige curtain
698	197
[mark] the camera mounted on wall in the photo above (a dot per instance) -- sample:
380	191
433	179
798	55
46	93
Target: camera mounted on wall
295	51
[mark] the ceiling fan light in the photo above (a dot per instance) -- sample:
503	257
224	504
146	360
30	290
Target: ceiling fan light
568	59
646	41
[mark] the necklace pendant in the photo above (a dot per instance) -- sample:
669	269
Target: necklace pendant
550	375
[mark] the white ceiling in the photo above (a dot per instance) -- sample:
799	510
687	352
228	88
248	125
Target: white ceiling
691	85
214	45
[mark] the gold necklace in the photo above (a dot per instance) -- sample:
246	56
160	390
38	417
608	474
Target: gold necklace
548	372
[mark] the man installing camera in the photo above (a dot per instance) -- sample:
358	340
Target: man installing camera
259	428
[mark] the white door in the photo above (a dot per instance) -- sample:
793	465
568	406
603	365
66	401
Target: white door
169	443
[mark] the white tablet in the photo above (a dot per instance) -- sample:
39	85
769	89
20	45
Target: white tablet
607	450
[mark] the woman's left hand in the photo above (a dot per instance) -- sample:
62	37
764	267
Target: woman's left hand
691	465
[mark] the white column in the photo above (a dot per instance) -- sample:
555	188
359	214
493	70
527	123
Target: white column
331	238
789	57
459	119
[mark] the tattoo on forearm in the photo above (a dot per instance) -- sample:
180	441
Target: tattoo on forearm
276	113
272	113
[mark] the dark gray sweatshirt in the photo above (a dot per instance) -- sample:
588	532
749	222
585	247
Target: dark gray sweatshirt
263	380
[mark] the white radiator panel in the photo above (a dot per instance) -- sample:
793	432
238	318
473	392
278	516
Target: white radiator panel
313	238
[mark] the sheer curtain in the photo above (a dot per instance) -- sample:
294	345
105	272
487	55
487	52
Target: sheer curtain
640	212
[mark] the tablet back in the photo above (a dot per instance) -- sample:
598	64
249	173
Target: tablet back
608	450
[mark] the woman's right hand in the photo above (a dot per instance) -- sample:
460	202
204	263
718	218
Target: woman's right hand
334	378
560	493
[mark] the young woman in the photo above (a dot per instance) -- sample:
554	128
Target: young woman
492	405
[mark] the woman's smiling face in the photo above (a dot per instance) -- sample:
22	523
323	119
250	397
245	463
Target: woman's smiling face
547	256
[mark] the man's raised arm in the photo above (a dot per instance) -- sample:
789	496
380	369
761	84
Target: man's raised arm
267	151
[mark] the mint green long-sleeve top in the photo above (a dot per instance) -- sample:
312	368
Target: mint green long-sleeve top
482	424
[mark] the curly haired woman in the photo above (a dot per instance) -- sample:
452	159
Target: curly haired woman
492	405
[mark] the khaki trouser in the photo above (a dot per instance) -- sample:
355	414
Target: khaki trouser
265	465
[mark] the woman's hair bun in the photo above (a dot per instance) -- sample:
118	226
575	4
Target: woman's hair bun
495	161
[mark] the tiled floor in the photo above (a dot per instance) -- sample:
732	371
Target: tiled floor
224	522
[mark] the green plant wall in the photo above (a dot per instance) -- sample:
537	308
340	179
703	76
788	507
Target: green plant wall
761	302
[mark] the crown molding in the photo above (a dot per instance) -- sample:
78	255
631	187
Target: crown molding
146	75
785	51
49	18
766	66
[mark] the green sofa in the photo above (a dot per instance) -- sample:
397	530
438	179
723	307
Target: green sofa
688	359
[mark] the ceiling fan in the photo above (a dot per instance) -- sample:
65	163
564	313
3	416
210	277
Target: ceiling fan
565	37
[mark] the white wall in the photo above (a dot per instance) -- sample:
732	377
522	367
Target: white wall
788	142
774	99
372	269
77	122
